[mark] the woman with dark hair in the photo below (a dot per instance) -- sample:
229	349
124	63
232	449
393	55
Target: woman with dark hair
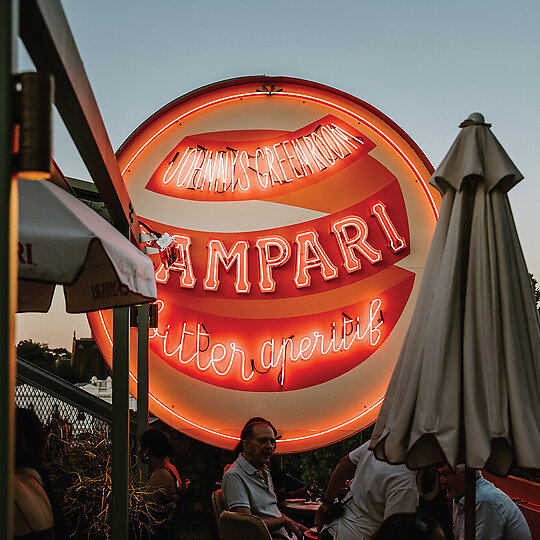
155	451
414	526
33	512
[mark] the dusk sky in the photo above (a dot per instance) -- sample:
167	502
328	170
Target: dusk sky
426	64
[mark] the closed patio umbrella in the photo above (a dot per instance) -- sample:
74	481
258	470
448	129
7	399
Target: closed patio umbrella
466	387
62	241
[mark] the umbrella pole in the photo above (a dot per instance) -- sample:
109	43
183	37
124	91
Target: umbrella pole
470	503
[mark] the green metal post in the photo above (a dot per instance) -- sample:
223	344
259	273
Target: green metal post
120	425
9	226
142	378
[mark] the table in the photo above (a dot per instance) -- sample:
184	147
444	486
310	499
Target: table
300	510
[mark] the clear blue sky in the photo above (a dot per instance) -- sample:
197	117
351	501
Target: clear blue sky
427	64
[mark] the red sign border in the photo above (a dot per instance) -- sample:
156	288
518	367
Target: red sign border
270	84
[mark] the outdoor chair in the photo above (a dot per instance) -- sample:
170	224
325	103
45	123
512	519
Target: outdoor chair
234	526
218	504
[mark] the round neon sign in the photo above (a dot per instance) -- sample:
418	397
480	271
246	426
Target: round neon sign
295	222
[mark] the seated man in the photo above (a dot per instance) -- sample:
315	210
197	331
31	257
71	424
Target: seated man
247	485
378	490
497	517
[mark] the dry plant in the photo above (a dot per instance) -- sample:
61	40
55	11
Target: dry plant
80	474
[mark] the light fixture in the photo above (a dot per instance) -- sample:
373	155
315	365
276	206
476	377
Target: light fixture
34	96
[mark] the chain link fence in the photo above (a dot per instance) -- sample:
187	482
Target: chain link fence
53	410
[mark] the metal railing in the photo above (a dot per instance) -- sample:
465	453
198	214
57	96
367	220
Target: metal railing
50	396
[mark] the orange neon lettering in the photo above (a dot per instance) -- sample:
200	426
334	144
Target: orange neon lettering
260	152
244	167
289	158
346	136
221	173
282	359
357	243
168	176
267	261
314	153
221	358
178	351
218	171
197	168
334	143
306	343
183	180
182	265
310	254
271	170
217	253
234	350
372	330
395	240
211	172
323	148
207	162
301	157
198	349
215	359
268	343
281	160
232	159
206	171
191	171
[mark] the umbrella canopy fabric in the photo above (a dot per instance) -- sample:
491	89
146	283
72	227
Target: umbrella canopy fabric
466	387
62	241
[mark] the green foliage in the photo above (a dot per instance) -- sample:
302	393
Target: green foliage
37	353
316	466
48	359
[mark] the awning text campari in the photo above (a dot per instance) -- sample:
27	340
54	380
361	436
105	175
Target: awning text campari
331	304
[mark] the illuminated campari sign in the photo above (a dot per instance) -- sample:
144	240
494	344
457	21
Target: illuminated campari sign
294	222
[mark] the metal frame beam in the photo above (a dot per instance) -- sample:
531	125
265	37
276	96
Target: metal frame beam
120	425
142	376
46	34
55	386
9	225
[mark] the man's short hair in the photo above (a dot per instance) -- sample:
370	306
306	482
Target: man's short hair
247	430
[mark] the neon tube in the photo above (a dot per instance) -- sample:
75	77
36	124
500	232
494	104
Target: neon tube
303	97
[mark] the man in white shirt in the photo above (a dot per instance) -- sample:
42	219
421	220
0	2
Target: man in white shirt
247	485
377	491
497	517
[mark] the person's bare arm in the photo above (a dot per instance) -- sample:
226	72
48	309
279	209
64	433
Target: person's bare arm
33	510
276	523
162	483
344	471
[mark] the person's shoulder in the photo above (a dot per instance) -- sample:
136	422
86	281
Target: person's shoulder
161	478
21	487
28	483
26	474
32	504
361	452
393	476
234	470
488	493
